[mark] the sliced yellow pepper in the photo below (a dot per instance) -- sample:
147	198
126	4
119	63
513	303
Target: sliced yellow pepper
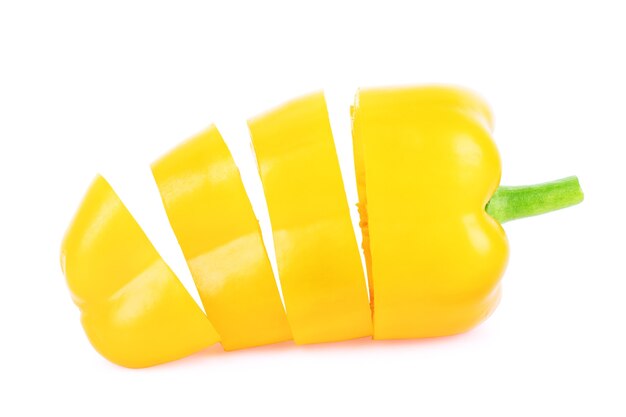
318	261
213	221
427	177
426	167
135	311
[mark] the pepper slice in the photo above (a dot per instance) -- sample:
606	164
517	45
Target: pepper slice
135	311
318	261
426	167
213	220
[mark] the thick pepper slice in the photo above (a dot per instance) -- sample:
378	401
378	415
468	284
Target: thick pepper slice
220	237
426	167
135	311
319	267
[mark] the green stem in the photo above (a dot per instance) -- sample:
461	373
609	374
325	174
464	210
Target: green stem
510	203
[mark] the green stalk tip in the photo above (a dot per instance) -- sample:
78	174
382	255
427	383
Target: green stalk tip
516	202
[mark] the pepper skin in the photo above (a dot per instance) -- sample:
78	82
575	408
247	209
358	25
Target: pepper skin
135	311
318	261
426	167
213	221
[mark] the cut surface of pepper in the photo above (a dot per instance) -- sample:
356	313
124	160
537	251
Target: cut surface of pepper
212	218
318	261
135	311
426	167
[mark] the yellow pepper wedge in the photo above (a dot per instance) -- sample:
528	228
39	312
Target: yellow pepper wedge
213	220
318	261
426	167
135	311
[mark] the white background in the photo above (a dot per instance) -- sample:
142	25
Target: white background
87	89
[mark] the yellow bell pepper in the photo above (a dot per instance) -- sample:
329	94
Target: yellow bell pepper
427	170
220	237
427	177
318	261
135	311
426	167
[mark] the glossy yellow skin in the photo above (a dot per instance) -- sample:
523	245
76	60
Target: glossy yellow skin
135	311
426	166
213	221
319	267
